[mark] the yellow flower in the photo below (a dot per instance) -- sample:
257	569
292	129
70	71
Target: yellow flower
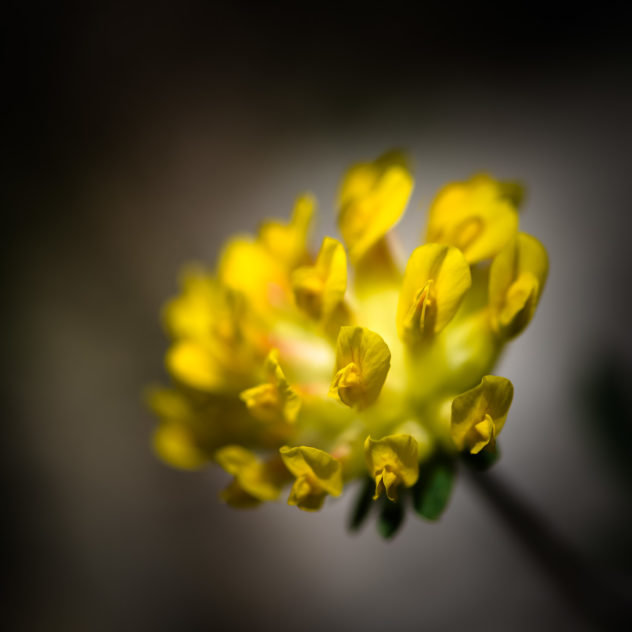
435	282
214	338
175	439
478	415
362	363
392	461
372	199
317	474
275	400
516	280
287	243
254	481
192	313
478	216
175	444
195	363
248	268
283	370
320	289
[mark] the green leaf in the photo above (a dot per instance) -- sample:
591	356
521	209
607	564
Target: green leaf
483	460
363	504
432	491
391	518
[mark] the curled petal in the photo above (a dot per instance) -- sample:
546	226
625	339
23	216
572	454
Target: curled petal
254	480
317	474
481	434
363	360
274	400
435	282
392	461
319	289
478	415
516	280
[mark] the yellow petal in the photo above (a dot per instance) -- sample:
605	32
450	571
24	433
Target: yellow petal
167	403
392	461
191	313
317	474
289	400
214	318
363	360
194	364
372	199
435	282
323	468
251	475
516	280
275	400
304	496
287	243
319	289
246	267
262	401
481	434
235	458
236	496
477	216
176	446
474	411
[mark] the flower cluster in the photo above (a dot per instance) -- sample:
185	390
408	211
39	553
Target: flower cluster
307	371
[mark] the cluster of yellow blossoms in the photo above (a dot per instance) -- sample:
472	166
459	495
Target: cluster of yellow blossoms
285	373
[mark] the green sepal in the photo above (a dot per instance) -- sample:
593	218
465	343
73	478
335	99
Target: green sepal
391	518
432	490
363	504
483	460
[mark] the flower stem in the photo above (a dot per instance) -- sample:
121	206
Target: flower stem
585	588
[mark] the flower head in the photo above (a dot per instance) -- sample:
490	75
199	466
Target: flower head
285	373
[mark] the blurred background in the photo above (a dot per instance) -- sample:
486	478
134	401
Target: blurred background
138	136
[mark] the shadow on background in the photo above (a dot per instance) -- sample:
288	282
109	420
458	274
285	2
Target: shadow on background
605	396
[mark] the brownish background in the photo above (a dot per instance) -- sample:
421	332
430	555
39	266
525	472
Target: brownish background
139	137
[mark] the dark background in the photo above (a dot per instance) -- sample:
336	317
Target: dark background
139	136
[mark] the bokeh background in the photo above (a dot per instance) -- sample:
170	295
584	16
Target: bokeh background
138	137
